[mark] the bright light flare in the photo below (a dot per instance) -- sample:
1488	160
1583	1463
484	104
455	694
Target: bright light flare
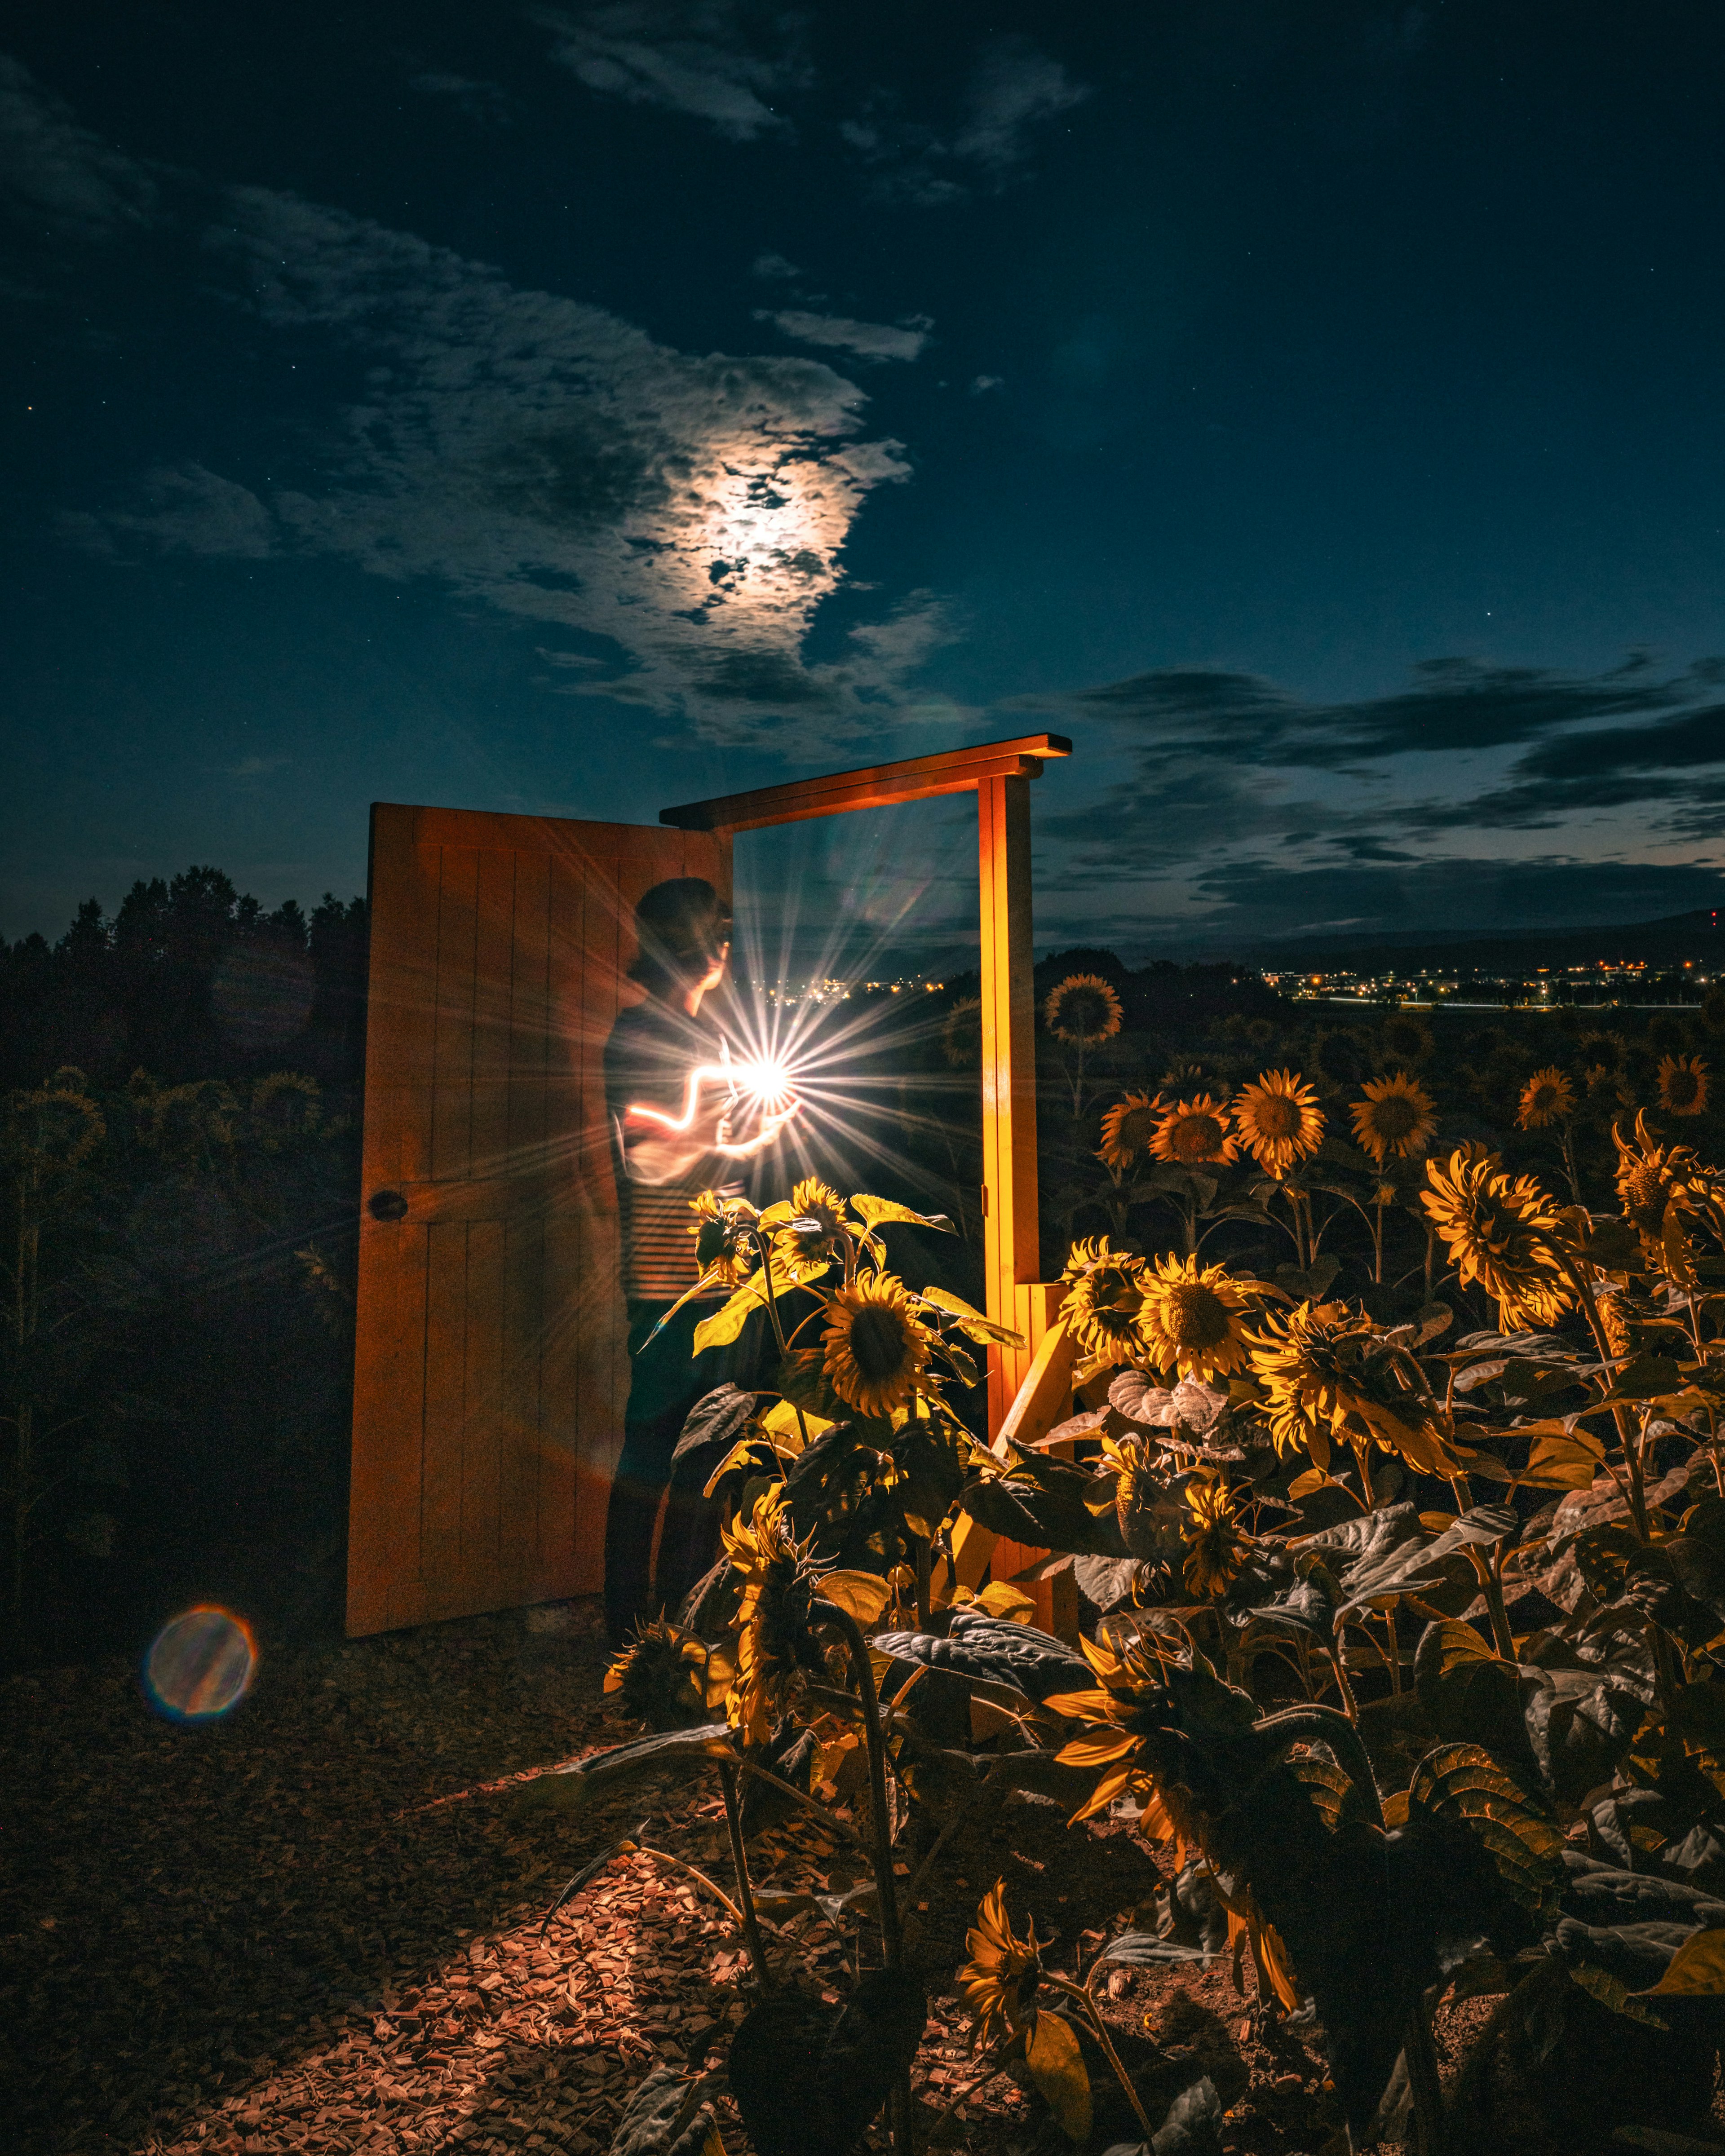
768	1085
200	1664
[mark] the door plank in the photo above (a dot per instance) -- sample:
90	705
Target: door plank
457	952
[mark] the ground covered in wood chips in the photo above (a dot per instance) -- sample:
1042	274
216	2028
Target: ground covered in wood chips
318	1924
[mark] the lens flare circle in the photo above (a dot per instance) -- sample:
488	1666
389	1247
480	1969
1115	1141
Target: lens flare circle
200	1664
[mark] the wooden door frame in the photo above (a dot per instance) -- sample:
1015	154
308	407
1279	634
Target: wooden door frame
999	773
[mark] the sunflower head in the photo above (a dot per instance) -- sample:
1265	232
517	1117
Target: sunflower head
1104	1301
772	1638
1548	1097
962	1034
1683	1084
874	1347
1190	1319
1503	1231
1650	1176
725	1241
1195	1132
815	1233
1127	1129
1081	1010
1216	1544
1406	1037
1143	1502
1278	1120
1328	1377
1000	1979
668	1678
1395	1117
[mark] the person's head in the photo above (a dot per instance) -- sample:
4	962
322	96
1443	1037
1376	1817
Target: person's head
682	932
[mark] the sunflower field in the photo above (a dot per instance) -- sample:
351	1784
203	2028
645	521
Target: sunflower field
1390	1524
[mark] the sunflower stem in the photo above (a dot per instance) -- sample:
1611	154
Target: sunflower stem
1492	1587
740	1863
924	1612
892	1936
1092	2014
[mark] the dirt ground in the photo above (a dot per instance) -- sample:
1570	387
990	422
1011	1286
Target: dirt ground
318	1924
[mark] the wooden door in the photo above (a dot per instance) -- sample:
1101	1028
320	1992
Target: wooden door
491	1376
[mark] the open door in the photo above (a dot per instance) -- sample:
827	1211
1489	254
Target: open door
491	1376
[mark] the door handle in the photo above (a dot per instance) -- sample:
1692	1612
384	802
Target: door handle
386	1205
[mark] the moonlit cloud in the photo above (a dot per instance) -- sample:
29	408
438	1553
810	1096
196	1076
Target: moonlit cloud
711	59
680	516
867	339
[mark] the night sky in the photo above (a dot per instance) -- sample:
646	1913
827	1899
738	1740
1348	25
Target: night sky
1314	410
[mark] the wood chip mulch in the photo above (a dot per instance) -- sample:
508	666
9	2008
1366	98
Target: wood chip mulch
319	1924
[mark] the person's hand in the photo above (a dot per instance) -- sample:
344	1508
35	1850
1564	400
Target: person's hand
750	1125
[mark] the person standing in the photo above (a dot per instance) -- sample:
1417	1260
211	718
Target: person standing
668	1146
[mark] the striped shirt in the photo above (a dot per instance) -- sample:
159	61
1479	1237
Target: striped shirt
652	1050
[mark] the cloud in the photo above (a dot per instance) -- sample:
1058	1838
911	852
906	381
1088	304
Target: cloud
713	59
981	384
868	340
1245	810
1453	705
191	510
1011	91
487	103
679	517
772	265
1015	87
57	175
1252	899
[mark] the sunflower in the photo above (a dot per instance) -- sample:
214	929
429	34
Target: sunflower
1328	1375
874	1347
1396	1117
1278	1120
772	1638
1649	1177
1143	1505
1104	1301
669	1678
1128	1128
725	1243
1683	1084
815	1232
1503	1231
1406	1037
1548	1097
1195	1132
962	1034
999	1981
1216	1544
1130	1717
1190	1319
1081	1010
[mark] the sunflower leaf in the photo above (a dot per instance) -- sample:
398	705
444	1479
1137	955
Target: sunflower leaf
727	1321
971	1322
1697	1970
875	1212
1057	2067
566	1789
861	1595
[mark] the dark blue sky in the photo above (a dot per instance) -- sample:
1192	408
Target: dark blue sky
1313	410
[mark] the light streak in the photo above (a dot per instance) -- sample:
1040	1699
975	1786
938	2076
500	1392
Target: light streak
767	1084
